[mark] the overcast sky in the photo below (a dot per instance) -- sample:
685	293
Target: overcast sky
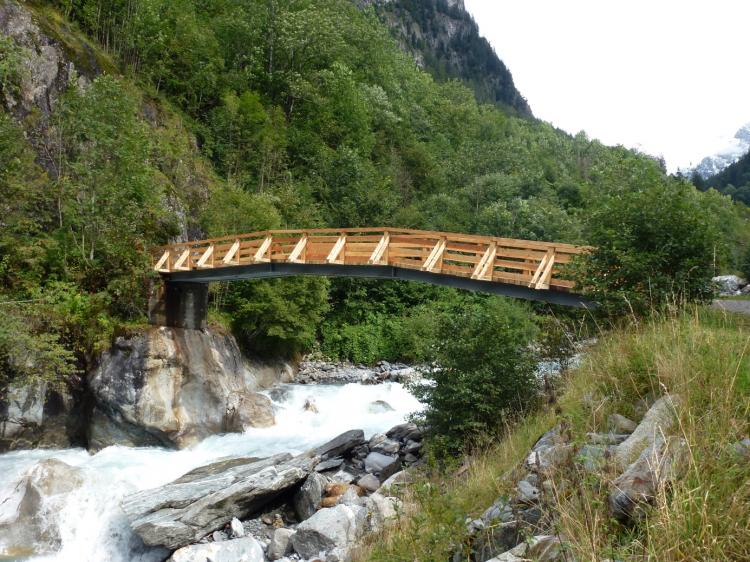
671	77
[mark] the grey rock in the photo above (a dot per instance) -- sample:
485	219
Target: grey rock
656	424
498	511
238	531
658	465
404	432
307	499
343	477
515	554
549	452
383	466
742	448
173	388
281	544
351	496
376	440
591	457
219	536
387	446
395	482
239	550
606	438
620	424
412	447
527	492
341	445
382	511
183	511
544	548
329	464
379	407
328	529
369	483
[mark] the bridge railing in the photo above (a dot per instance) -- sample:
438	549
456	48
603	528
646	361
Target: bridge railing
539	265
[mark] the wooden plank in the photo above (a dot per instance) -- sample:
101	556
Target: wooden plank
540	279
178	265
232	251
333	256
160	264
430	264
260	254
486	264
202	263
543	281
379	251
297	251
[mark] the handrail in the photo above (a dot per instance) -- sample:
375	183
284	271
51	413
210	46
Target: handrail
535	264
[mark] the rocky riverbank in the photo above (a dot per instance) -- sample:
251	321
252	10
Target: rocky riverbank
327	372
314	506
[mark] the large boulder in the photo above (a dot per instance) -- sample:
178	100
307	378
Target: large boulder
172	387
382	466
656	424
238	550
193	506
635	489
549	453
333	528
27	522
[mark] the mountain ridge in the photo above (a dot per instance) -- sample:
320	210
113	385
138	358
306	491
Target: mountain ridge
444	39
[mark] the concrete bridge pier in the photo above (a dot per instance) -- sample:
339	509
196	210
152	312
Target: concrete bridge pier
179	305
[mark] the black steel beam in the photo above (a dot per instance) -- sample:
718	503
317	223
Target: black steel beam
285	269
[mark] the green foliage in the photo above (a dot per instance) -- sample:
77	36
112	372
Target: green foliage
277	317
28	357
485	373
653	245
11	66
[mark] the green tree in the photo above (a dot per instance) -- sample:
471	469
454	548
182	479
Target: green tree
484	373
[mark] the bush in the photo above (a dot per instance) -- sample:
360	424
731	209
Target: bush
486	371
652	246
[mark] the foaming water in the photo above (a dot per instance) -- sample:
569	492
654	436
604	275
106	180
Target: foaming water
91	525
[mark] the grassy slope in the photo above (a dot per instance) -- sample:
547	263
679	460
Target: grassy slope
701	355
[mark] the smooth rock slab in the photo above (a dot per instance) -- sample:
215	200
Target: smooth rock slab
238	550
333	528
183	512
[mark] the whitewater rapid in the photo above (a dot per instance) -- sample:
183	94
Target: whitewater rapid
92	526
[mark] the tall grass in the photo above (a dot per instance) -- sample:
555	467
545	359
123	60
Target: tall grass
702	355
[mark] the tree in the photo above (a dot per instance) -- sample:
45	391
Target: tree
484	373
652	246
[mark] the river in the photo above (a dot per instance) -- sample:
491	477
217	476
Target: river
91	525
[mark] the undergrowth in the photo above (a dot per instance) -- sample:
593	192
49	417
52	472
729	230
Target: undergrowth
701	355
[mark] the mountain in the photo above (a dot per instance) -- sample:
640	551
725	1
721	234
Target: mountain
734	180
444	39
734	148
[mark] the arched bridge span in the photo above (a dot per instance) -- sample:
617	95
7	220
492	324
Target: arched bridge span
503	266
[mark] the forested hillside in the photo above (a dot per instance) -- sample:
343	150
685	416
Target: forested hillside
180	118
734	180
444	40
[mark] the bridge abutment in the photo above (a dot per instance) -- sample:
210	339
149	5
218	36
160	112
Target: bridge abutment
179	305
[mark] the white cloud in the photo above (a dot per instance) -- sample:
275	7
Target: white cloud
667	76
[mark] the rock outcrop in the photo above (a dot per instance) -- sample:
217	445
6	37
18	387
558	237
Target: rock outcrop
655	426
34	416
173	387
240	550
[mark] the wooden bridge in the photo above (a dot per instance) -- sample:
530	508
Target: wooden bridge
503	266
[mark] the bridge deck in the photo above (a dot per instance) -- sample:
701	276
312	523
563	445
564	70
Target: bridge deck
521	268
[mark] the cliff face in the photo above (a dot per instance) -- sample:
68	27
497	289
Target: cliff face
444	39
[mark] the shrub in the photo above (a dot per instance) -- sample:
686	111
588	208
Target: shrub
485	374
